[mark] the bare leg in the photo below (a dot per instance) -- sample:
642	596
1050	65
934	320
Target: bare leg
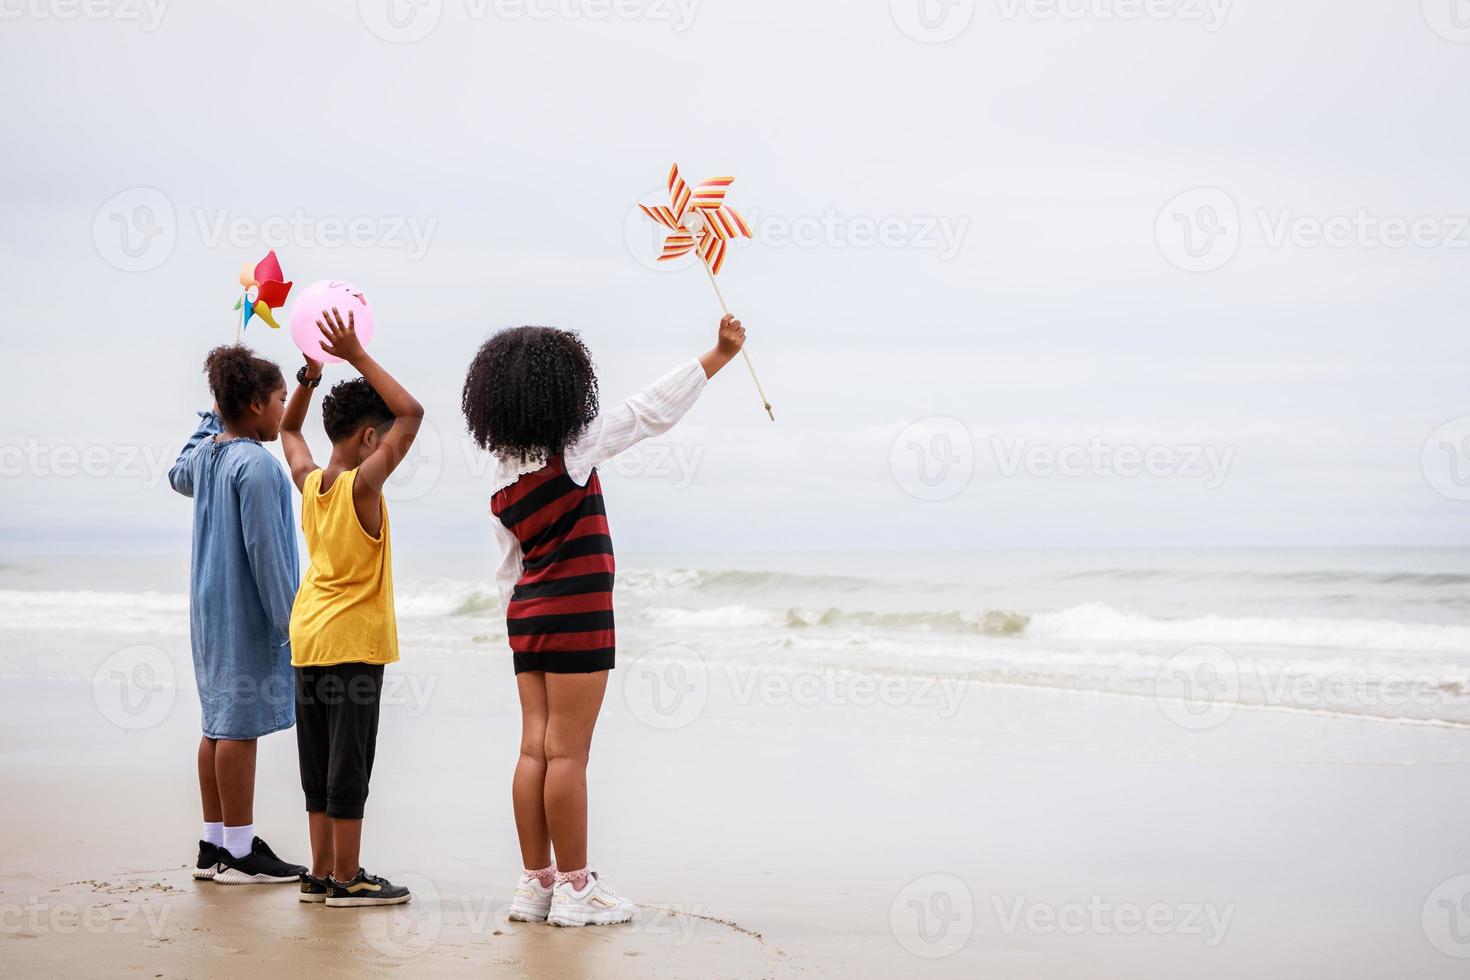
528	788
323	855
347	843
234	772
573	701
208	785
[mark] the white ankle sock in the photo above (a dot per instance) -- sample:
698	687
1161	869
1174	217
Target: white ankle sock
238	839
214	833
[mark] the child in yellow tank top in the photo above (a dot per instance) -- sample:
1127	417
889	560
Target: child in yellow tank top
343	627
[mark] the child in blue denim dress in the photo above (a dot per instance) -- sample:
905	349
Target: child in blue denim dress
242	582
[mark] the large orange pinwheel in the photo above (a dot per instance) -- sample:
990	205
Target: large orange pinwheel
700	221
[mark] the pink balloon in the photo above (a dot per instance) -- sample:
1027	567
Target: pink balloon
314	303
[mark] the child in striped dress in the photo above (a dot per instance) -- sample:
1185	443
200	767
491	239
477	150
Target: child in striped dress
530	398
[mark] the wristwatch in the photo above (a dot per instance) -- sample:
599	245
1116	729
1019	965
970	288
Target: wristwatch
302	379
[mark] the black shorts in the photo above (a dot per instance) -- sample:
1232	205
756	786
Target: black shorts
336	735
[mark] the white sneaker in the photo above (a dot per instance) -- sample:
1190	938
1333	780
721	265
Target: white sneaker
532	900
594	905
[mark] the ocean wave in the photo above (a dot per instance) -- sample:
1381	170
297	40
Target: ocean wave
990	622
1100	622
1326	576
113	612
655	581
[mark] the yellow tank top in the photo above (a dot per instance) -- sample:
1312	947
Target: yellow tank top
344	608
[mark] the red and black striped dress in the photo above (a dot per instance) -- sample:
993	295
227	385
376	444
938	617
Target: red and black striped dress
560	615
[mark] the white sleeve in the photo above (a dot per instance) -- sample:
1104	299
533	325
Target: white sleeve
651	412
508	573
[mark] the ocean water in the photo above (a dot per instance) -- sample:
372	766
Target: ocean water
1379	632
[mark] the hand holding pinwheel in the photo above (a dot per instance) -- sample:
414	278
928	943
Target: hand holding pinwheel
700	221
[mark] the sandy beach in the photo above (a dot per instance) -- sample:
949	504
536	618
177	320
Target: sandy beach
769	825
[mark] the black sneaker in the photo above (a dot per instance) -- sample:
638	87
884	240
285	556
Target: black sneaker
259	867
208	862
364	889
313	889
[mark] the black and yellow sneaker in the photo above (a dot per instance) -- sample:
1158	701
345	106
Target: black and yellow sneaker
313	889
259	867
363	890
208	862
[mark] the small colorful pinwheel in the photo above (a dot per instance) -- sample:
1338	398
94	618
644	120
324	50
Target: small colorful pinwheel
700	221
269	292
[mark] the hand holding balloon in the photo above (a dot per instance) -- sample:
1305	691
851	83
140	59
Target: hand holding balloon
338	339
311	314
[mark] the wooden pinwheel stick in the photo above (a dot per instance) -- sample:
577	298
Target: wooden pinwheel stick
766	402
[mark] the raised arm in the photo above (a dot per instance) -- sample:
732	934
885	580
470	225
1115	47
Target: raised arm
298	453
341	340
654	410
181	474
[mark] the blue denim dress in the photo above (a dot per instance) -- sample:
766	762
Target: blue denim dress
242	582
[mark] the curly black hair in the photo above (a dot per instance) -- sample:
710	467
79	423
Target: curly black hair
350	405
238	377
529	392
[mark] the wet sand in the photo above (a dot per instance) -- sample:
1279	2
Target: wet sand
769	830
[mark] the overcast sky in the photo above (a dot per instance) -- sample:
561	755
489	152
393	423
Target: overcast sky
1081	273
